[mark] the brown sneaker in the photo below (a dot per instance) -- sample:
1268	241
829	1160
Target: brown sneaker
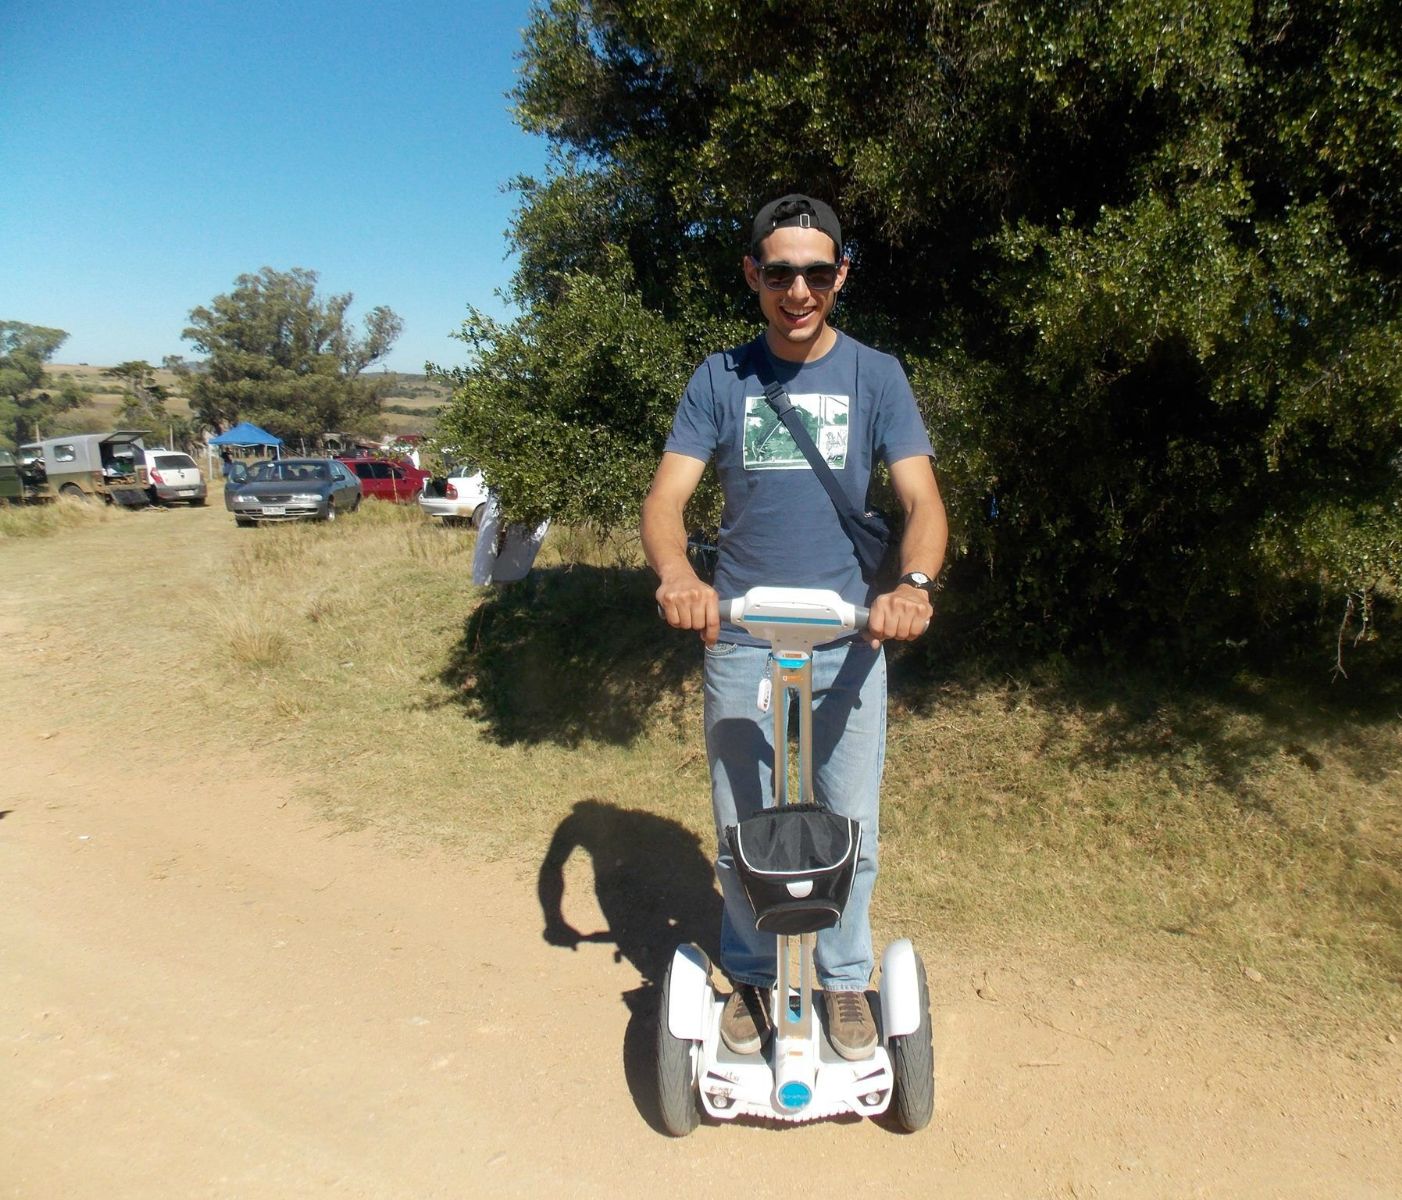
851	1029
745	1020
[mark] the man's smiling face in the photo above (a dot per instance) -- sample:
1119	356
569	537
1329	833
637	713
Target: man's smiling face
798	328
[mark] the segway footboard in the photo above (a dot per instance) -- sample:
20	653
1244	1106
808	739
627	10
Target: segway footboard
733	1085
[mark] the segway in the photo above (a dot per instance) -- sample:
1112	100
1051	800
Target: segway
794	877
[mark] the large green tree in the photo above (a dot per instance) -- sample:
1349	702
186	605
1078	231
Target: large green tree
1141	259
29	398
281	356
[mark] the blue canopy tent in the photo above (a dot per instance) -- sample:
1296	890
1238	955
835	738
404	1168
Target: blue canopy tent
244	434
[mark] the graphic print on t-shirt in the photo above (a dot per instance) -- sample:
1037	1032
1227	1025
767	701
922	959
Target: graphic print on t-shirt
770	447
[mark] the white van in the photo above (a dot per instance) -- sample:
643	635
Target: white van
174	477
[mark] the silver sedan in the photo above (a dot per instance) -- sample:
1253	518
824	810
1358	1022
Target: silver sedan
291	489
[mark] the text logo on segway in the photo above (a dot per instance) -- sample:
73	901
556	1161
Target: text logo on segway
795	1095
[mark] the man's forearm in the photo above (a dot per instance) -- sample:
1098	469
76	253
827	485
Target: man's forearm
925	538
663	535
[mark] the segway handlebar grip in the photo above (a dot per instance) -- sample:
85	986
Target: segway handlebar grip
733	611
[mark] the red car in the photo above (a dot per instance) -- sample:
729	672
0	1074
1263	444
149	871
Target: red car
385	480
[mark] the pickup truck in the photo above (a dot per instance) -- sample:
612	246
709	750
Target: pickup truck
89	466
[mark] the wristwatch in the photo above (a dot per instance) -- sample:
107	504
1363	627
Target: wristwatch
919	579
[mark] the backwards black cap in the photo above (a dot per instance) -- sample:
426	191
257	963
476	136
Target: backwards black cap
795	209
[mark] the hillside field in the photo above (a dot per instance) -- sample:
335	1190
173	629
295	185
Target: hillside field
416	393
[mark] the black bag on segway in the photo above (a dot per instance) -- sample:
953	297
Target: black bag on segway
796	864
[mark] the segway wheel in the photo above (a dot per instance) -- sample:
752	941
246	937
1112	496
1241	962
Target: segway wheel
913	1064
676	1073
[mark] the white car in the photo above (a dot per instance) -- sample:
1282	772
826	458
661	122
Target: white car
174	477
462	496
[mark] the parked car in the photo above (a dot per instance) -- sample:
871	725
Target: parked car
174	477
291	489
461	497
381	479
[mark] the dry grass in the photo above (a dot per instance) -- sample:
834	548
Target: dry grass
251	640
61	514
1194	824
1252	825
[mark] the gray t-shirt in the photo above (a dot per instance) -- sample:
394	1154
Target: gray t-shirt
778	526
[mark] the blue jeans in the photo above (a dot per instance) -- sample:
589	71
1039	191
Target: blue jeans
849	751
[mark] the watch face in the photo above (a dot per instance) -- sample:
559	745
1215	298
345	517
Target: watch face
917	579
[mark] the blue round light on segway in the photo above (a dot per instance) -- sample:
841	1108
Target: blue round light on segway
794	1095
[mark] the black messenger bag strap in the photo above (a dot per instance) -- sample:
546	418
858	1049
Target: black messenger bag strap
869	533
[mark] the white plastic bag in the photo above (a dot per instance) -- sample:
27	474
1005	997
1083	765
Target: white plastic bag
504	553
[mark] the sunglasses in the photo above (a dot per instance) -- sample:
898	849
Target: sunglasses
780	276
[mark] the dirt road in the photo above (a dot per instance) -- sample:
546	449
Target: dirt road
210	992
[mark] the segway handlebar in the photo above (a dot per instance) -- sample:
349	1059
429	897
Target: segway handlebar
794	616
734	611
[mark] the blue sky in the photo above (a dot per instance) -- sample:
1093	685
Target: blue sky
151	153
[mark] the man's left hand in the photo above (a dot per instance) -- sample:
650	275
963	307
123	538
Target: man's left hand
902	615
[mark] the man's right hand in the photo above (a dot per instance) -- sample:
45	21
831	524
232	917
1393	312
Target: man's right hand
687	603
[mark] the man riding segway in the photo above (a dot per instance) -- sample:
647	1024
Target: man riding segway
796	420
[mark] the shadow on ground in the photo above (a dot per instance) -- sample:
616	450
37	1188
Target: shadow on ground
656	888
569	654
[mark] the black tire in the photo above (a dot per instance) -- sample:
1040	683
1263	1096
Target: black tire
913	1063
477	514
74	492
676	1073
198	503
330	512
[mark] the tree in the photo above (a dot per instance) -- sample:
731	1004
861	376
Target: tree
1142	261
279	355
145	402
562	408
144	398
26	404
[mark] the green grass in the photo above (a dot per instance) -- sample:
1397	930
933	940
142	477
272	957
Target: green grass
1246	823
